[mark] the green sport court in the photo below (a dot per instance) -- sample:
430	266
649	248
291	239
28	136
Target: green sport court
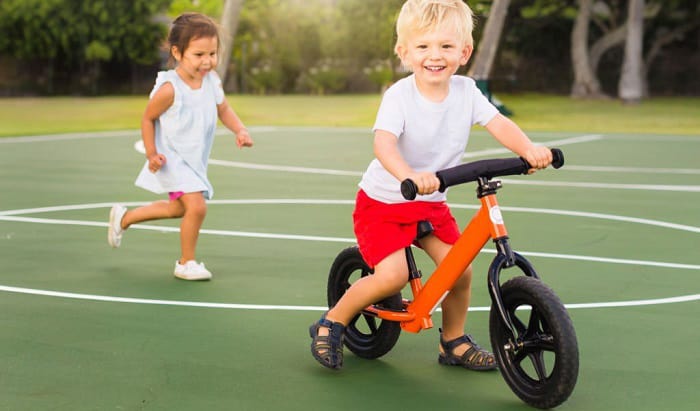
85	327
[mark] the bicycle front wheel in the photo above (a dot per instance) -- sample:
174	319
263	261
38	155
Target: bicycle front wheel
367	336
541	366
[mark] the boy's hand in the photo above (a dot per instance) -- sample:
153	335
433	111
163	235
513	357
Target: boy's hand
426	182
243	138
156	162
538	157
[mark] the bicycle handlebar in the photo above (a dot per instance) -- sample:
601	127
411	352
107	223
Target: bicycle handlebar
490	168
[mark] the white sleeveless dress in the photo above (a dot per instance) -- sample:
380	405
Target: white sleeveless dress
184	134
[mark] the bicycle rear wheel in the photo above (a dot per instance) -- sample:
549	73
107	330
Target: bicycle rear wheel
541	366
366	336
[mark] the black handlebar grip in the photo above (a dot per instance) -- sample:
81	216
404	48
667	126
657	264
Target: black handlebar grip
409	189
557	158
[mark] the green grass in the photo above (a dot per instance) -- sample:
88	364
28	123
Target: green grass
533	112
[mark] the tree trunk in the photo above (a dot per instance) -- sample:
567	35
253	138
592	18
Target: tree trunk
630	87
586	82
488	46
609	40
229	25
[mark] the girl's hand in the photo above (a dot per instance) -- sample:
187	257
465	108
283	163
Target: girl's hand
538	157
156	162
243	138
426	182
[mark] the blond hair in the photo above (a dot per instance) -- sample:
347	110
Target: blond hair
419	16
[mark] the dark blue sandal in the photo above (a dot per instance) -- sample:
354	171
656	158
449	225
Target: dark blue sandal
327	349
475	358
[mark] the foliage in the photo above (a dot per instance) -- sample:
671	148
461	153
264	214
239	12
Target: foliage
285	46
63	34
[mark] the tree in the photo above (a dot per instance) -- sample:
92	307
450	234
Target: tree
66	40
488	46
586	82
229	25
630	87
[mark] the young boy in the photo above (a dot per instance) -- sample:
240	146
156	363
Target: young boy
422	126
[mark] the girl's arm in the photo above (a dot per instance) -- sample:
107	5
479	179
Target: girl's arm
512	137
387	152
162	100
230	119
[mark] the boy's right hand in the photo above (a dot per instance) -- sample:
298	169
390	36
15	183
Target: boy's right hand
426	182
156	162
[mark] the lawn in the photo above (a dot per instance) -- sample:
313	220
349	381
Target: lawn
533	112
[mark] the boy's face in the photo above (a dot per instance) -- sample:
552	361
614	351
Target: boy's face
434	55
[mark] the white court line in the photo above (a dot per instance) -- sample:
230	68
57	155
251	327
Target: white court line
302	201
106	298
563	142
8	216
635	170
611	186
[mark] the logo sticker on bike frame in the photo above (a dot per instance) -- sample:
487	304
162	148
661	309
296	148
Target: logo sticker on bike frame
495	215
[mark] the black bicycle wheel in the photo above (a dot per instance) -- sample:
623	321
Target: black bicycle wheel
541	366
366	336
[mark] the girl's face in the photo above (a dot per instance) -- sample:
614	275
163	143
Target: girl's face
434	56
199	58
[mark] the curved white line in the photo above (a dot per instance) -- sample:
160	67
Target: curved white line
128	300
601	216
342	240
552	143
138	146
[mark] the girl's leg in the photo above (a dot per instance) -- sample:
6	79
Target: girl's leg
195	209
154	211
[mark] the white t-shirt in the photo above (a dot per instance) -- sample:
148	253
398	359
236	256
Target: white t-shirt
431	136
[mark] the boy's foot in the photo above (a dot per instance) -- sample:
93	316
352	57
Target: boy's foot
115	230
473	358
327	342
192	271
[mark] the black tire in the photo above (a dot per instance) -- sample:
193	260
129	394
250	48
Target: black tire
366	336
543	372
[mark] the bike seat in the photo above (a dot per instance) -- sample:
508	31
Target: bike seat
424	229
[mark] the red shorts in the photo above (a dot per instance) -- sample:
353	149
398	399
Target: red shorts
382	228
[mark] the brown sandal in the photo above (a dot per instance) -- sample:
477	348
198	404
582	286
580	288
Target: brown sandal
475	358
327	349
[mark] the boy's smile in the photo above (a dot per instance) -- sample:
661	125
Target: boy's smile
434	56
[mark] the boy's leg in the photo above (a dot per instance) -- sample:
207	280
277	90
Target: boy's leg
390	276
195	209
456	304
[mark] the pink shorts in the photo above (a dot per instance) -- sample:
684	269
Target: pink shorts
382	228
174	195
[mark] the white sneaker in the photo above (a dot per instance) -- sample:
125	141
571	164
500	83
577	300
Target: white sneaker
192	271
115	230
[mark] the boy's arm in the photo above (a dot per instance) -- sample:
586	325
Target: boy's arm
162	100
387	152
231	120
512	137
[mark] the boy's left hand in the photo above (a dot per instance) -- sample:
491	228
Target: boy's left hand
243	139
538	157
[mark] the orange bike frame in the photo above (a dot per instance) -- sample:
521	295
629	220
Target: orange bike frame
486	223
